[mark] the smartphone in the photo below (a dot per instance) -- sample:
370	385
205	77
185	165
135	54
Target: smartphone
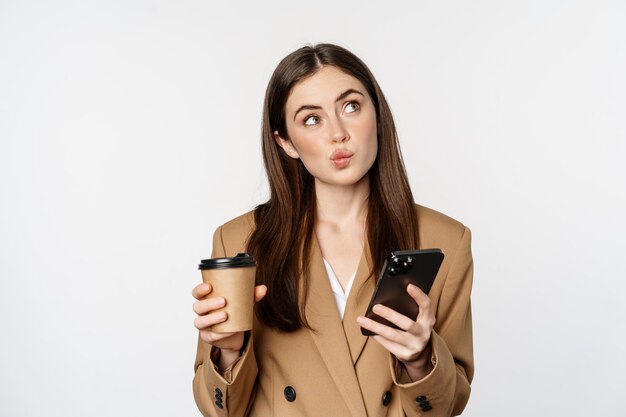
401	268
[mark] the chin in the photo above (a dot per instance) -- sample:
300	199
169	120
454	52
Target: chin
343	180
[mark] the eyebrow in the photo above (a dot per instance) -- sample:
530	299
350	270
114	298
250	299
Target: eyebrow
339	98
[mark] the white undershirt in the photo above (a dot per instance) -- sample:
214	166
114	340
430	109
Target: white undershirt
340	296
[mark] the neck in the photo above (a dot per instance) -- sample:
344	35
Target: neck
342	204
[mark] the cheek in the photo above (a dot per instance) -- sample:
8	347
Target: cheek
369	132
308	147
368	126
373	153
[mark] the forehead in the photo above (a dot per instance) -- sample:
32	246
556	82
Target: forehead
322	87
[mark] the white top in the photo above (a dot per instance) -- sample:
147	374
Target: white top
340	296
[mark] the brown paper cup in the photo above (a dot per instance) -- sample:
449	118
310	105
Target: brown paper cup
236	285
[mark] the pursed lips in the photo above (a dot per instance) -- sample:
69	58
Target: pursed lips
341	158
341	154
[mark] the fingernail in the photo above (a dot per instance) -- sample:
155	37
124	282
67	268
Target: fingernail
376	308
221	302
412	287
360	320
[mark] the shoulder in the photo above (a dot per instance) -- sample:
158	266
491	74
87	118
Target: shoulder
437	229
236	232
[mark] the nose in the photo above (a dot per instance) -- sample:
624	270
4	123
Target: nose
338	132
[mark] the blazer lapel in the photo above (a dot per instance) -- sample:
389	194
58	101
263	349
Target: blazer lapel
328	334
358	300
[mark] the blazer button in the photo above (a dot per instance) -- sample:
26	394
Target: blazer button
290	393
219	403
420	399
386	397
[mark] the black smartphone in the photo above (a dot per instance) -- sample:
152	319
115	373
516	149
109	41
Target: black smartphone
401	268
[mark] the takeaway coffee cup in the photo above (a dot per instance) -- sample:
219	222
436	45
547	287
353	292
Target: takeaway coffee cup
233	279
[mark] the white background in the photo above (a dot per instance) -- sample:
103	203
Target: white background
125	128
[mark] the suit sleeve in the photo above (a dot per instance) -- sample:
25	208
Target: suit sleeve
231	394
445	391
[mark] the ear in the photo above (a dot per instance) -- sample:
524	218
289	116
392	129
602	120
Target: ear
286	145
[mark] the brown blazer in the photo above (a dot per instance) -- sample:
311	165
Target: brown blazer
336	371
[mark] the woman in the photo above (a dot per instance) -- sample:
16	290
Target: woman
340	203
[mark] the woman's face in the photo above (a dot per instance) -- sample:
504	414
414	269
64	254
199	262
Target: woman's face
331	124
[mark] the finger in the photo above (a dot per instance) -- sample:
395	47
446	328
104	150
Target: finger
208	320
380	329
207	305
201	290
393	316
402	352
259	292
397	349
421	299
211	337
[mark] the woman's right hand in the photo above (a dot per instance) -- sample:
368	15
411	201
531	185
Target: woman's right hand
229	343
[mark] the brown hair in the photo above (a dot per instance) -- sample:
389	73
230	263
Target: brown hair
285	223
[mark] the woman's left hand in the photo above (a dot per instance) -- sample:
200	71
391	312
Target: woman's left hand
411	345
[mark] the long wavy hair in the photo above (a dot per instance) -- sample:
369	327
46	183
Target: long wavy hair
285	223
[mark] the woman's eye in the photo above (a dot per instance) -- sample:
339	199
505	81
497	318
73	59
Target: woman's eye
311	120
354	105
